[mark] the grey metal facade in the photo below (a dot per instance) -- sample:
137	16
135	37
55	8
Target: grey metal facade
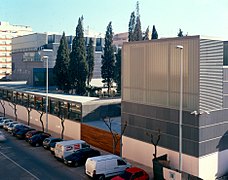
150	92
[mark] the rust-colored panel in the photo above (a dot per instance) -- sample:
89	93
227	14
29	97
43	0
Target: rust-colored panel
98	138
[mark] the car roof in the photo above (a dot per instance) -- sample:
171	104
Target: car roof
105	157
69	142
134	169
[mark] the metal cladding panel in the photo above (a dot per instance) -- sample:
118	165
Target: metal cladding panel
211	75
151	72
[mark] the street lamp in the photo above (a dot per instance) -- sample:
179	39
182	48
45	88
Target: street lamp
180	112
46	57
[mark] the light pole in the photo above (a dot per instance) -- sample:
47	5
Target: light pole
180	112
46	57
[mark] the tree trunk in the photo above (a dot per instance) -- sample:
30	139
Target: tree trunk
42	124
63	127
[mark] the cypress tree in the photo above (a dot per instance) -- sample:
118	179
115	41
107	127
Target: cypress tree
146	35
78	66
180	33
108	59
137	30
154	33
131	27
117	78
90	60
61	65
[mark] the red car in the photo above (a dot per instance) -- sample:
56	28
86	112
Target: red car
132	173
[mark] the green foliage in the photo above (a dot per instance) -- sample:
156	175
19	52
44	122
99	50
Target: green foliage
117	77
146	35
131	27
180	33
108	58
61	66
78	66
134	26
90	60
154	33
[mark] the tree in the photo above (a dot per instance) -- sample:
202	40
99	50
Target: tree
117	77
146	35
78	66
90	60
115	136
180	33
61	66
29	109
108	59
137	30
131	27
154	33
40	109
2	102
155	143
13	105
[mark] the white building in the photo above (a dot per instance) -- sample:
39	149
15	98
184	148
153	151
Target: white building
7	32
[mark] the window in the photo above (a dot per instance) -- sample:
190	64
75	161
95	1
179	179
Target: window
25	100
31	101
54	107
64	109
120	162
75	111
39	103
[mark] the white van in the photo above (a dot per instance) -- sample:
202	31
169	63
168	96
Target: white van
101	167
65	148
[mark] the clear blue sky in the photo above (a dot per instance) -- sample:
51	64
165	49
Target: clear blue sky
195	17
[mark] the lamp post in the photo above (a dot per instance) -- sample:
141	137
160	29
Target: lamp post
180	112
46	108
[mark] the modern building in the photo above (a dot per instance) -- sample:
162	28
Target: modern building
7	32
30	53
151	102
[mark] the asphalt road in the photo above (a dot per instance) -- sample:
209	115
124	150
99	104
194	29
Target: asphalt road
19	160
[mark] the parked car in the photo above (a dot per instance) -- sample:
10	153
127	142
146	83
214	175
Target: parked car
65	148
101	167
79	157
6	125
12	126
52	147
31	133
132	173
22	132
2	118
18	128
50	140
5	121
2	137
37	139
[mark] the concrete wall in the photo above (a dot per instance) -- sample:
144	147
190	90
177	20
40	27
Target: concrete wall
141	152
72	128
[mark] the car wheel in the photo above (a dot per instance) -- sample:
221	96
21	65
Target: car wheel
76	164
101	177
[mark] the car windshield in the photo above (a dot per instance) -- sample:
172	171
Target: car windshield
47	140
126	175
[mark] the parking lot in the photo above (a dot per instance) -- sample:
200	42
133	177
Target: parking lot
19	160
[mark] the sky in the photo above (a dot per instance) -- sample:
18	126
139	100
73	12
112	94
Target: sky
194	17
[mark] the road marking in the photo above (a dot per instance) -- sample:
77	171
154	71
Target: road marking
19	165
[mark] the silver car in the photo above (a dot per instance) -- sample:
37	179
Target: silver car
5	121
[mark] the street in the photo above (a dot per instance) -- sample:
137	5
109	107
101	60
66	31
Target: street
19	160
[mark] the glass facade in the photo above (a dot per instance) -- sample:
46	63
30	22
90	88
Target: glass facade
57	107
39	77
